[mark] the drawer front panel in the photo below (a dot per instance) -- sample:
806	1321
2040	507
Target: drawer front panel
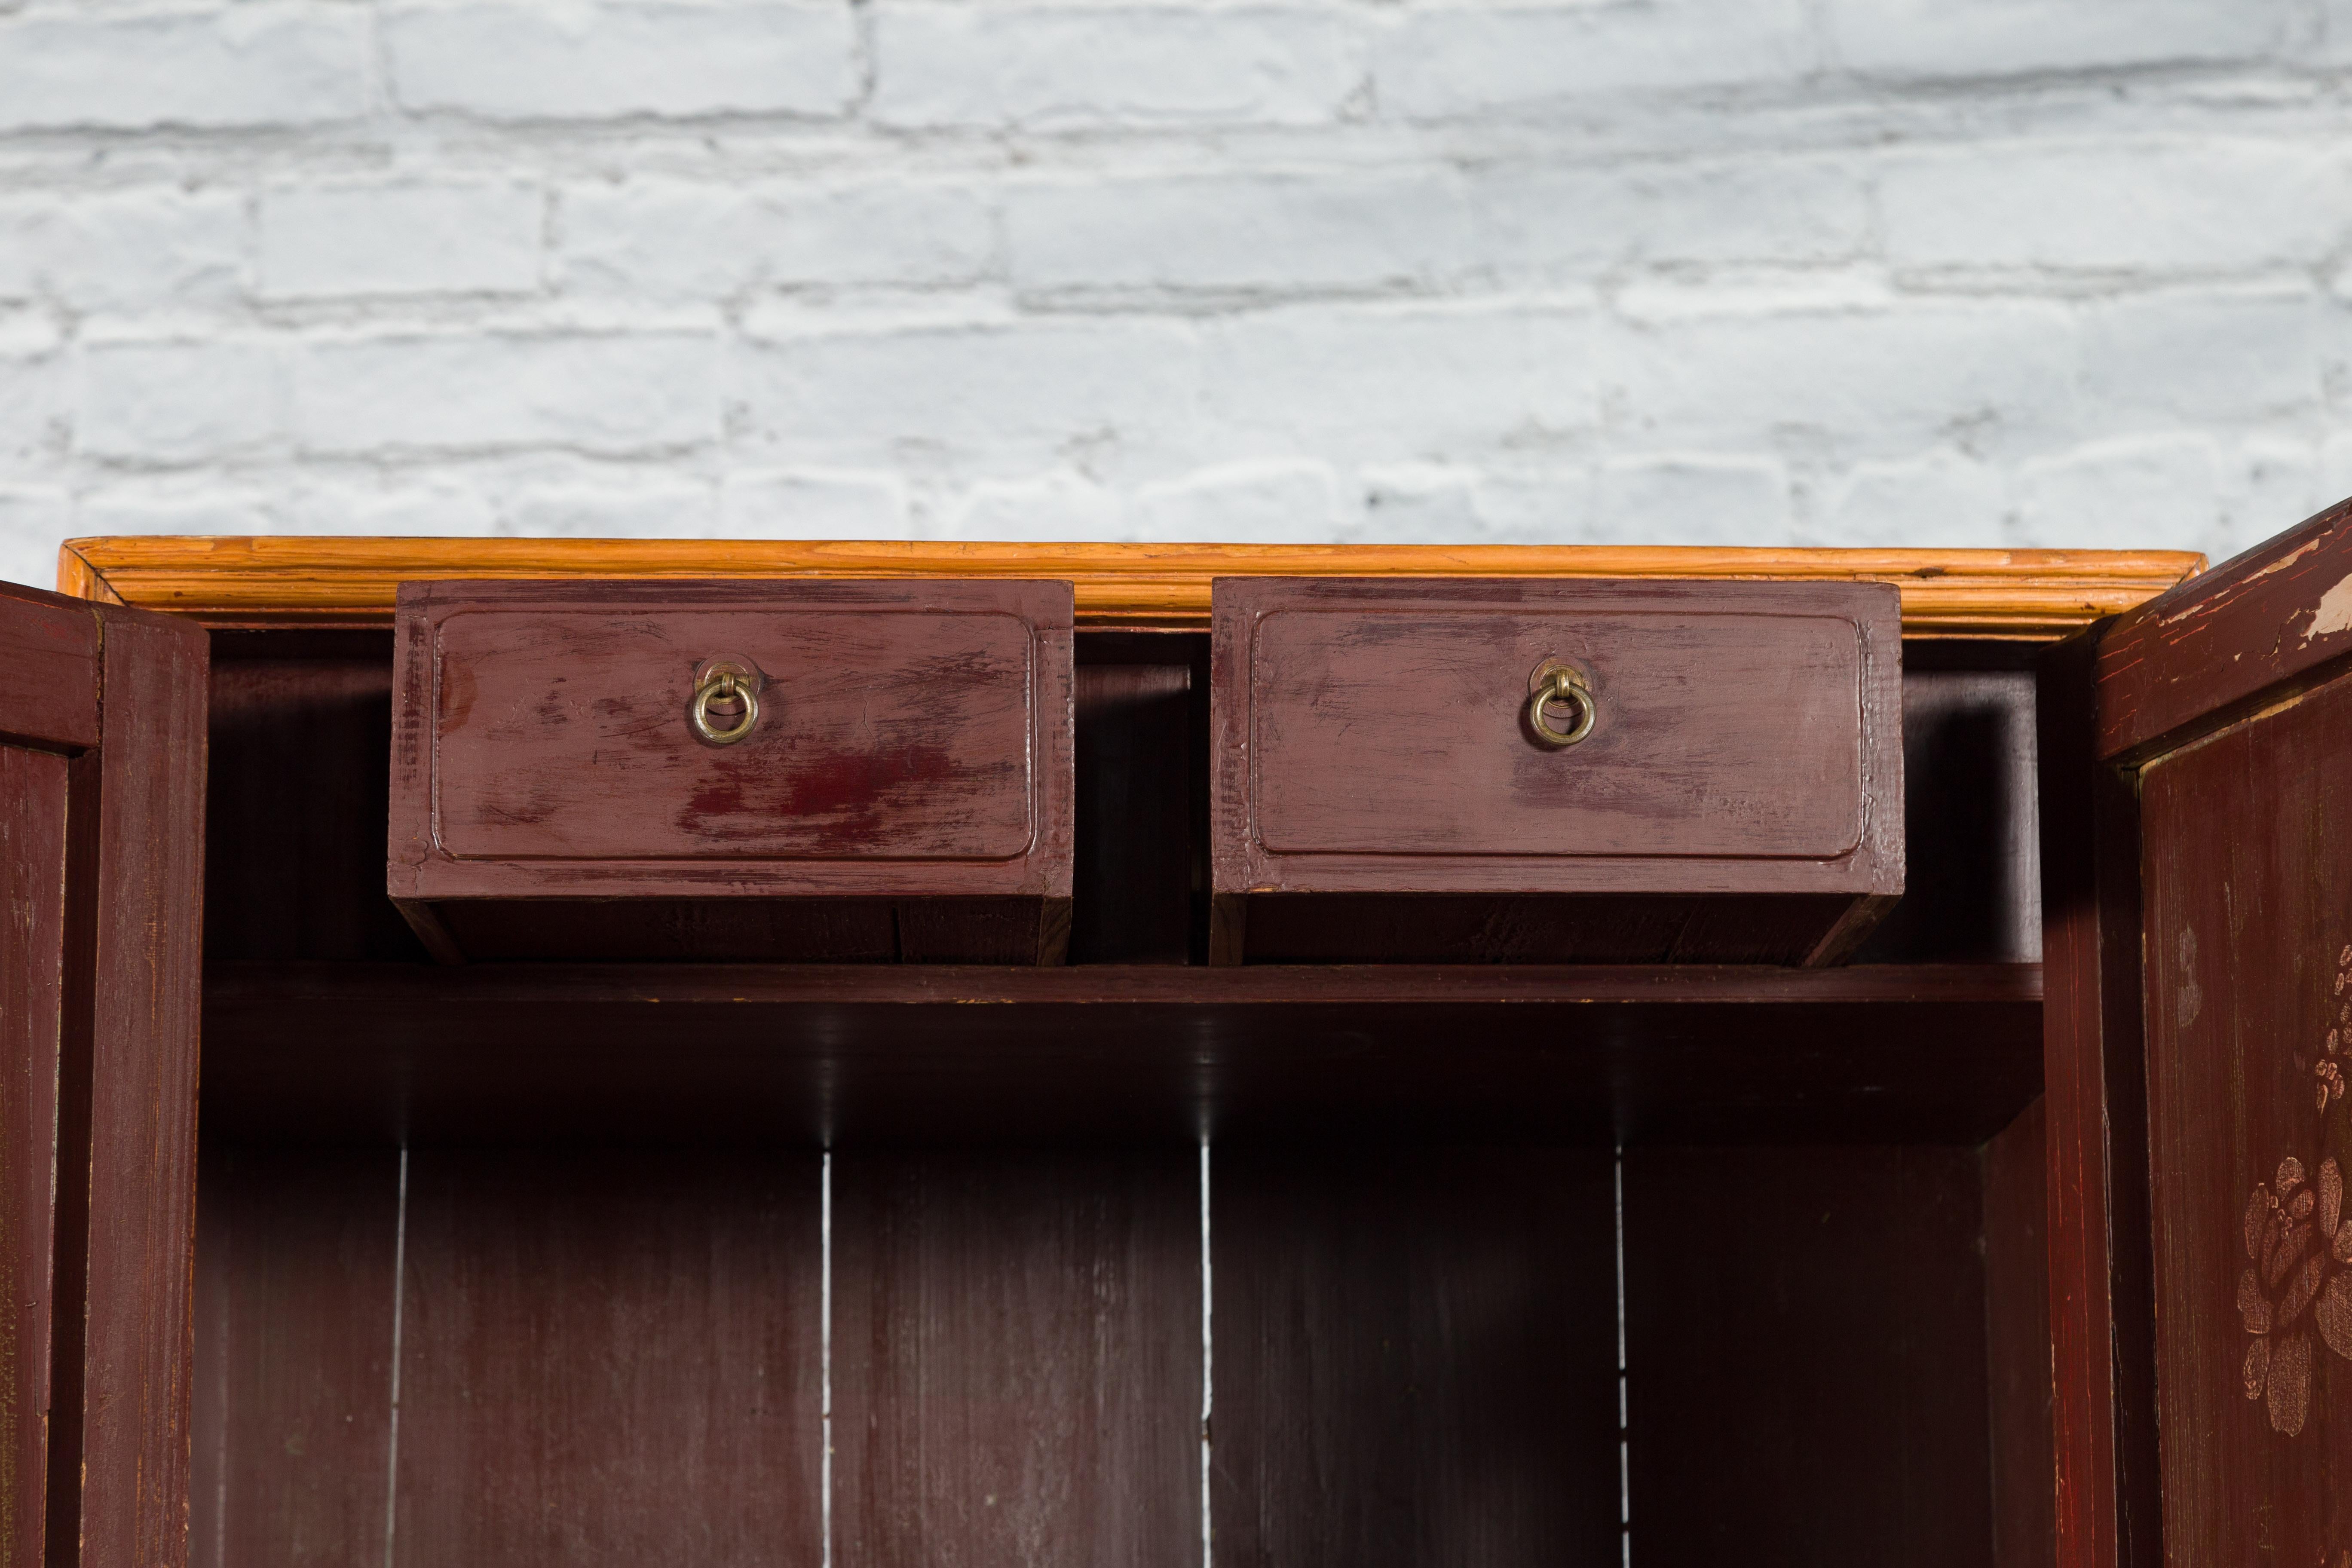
1405	731
564	733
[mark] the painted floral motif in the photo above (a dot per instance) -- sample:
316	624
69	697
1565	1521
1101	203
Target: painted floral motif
2298	1243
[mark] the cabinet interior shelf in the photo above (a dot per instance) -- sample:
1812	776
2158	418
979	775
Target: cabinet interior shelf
1873	1053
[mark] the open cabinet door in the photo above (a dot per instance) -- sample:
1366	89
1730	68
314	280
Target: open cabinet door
2199	1035
102	852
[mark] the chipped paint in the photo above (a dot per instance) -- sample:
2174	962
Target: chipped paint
2333	613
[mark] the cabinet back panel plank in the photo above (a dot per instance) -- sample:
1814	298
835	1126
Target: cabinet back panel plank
1806	1344
1016	1359
295	1251
1972	871
1416	1358
301	749
1134	875
609	1359
2017	1342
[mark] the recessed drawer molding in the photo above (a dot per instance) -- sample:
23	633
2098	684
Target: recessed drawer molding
734	772
1553	771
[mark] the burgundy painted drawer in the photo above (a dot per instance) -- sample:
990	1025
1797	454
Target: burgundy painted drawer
897	785
1388	788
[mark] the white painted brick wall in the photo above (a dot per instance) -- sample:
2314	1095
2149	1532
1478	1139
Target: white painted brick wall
2025	273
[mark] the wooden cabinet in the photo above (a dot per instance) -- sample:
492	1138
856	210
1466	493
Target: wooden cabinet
1548	771
2011	1239
725	772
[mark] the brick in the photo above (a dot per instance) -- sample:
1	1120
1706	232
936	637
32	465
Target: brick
398	504
1264	502
131	250
1283	233
186	506
1408	502
1692	499
642	506
35	391
2118	206
1547	223
2145	492
813	503
2270	484
586	62
1537	506
621	392
1388	384
34	520
1020	394
1959	38
1708	370
1052	506
1452	62
178	402
709	239
258	63
451	236
1938	500
1061	67
2202	357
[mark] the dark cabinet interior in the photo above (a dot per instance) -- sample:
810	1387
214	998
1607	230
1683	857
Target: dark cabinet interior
1122	1261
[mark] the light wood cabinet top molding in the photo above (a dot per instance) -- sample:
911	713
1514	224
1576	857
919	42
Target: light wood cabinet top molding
276	580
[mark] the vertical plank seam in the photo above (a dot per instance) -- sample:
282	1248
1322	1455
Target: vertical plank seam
1208	1364
399	1293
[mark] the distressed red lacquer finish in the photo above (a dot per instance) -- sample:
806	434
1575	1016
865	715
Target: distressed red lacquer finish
1389	784
101	800
896	783
2200	995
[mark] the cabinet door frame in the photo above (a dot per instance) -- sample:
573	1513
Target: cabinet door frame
97	1226
2257	631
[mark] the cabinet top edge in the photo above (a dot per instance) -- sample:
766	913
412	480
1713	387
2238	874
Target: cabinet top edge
310	579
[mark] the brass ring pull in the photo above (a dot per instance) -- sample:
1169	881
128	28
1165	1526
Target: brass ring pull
723	681
1562	684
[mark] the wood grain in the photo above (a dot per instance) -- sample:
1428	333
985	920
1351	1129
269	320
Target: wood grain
1016	1359
1110	1051
913	754
610	1357
2101	1311
2190	659
2015	1173
300	767
1806	1346
48	670
1140	868
33	807
2249	998
1371	740
296	1249
260	580
1416	1357
1971	833
147	968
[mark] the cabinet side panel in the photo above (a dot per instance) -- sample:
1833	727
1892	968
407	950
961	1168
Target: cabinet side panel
1016	1359
1416	1358
610	1357
33	799
1806	1350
